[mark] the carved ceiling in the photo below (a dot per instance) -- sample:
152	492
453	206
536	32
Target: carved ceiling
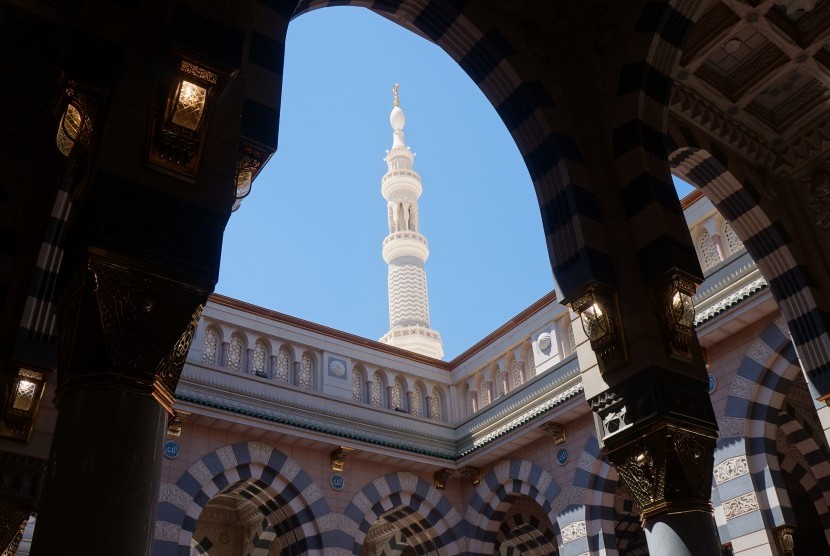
757	73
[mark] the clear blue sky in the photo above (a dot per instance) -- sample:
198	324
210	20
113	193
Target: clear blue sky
307	241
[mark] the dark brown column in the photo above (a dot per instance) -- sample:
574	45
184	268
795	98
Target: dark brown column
124	335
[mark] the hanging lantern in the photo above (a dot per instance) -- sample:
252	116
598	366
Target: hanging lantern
179	133
22	403
599	313
673	294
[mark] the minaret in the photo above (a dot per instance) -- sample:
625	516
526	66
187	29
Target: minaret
405	250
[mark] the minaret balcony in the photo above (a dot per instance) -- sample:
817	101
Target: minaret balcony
417	338
405	244
400	180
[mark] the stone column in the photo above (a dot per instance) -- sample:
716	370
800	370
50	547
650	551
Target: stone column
123	337
657	429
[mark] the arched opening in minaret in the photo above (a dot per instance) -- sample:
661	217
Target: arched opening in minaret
307	241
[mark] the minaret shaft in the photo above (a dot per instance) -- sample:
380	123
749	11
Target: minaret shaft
405	250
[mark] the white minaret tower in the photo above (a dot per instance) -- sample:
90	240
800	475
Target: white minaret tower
405	250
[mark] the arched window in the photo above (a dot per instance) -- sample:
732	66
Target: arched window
397	396
708	251
501	383
417	405
305	376
732	239
472	402
435	405
358	385
377	390
235	351
518	373
211	346
283	365
485	392
258	365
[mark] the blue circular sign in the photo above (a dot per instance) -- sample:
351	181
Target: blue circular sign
172	449
562	456
713	383
337	481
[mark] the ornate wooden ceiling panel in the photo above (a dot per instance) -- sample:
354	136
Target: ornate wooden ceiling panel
761	67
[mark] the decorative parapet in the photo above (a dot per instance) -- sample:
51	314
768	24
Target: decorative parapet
254	397
407	173
412	330
727	286
522	405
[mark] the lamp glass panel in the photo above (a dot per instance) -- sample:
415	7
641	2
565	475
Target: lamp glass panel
190	103
68	129
24	397
594	321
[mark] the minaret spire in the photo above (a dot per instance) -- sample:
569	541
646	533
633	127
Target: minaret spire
405	250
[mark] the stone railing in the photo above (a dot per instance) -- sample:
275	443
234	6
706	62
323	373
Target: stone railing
393	173
411	330
536	396
405	235
249	396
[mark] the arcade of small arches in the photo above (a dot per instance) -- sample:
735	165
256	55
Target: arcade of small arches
278	361
771	477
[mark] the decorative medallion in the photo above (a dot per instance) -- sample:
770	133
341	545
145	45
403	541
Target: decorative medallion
337	481
337	368
713	383
172	449
562	456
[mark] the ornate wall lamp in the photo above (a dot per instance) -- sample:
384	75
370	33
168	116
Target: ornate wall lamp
249	161
178	130
22	402
673	297
76	110
599	311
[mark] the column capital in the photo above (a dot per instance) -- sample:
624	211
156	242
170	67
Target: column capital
667	470
125	327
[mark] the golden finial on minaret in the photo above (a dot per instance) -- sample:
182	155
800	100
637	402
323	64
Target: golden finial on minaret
395	93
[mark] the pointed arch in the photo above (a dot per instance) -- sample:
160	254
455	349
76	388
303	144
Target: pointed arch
359	384
749	426
436	404
236	352
416	503
285	362
251	468
770	247
598	482
211	344
259	362
498	490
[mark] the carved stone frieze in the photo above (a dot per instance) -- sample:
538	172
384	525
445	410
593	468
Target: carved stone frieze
128	328
574	531
730	469
740	505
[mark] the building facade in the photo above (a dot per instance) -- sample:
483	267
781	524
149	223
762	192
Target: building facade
299	439
113	110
